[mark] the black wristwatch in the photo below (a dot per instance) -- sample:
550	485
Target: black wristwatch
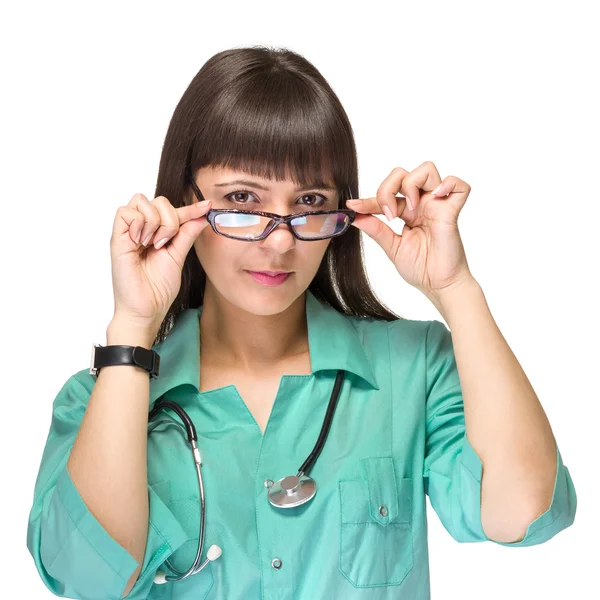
107	356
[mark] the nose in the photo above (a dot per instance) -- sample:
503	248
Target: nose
281	239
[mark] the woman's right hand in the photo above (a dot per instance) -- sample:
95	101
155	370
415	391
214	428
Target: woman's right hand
146	280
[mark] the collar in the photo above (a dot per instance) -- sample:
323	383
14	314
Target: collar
333	344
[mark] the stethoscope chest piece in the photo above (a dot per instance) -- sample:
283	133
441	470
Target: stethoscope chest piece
292	491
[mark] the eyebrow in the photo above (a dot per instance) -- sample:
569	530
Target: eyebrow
318	185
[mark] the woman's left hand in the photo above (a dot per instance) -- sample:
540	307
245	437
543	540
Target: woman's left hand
429	253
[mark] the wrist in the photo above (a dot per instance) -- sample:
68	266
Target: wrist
128	333
446	300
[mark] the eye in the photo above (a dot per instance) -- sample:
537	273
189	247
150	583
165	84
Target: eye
238	193
234	197
322	199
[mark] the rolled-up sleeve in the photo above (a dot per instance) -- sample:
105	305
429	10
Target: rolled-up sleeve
452	469
73	553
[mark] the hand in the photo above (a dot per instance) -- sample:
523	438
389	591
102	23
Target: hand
429	253
147	279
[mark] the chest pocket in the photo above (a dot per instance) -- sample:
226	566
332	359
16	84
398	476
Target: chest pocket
376	546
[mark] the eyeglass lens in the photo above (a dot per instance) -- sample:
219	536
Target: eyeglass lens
249	226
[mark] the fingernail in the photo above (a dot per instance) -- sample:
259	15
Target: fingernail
204	202
438	188
388	213
145	242
160	243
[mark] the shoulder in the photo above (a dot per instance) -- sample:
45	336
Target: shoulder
406	333
401	338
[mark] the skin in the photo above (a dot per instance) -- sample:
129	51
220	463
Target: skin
245	324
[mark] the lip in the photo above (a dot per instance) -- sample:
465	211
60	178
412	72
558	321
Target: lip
266	279
271	273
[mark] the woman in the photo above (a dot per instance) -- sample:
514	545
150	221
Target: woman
253	360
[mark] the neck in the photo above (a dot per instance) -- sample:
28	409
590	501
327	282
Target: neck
233	337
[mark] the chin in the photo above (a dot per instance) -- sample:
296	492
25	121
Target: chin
265	300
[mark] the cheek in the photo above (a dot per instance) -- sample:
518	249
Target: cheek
320	249
311	254
214	251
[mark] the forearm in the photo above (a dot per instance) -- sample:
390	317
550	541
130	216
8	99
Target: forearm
108	460
506	424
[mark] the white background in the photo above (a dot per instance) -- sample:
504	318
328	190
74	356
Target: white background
502	95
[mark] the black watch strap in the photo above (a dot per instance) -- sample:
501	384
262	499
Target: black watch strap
108	356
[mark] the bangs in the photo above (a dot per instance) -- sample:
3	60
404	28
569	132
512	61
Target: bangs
279	127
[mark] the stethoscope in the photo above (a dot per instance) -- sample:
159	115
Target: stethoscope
288	492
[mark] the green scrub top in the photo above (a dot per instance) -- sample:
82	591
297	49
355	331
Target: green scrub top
398	433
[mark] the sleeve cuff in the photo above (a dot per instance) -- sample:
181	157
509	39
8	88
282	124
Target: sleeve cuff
559	515
89	527
165	535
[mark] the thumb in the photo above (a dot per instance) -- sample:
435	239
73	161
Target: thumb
379	231
184	239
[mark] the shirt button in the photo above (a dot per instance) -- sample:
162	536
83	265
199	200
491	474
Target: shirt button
268	483
276	563
383	511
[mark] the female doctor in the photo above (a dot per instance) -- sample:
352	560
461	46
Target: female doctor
254	358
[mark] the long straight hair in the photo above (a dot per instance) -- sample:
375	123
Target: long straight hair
268	112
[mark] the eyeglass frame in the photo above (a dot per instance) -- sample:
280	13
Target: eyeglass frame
277	219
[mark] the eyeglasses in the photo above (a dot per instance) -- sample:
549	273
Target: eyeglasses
256	225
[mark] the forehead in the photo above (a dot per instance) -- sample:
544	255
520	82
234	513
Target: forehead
221	176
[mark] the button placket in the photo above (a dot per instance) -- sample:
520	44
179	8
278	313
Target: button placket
274	577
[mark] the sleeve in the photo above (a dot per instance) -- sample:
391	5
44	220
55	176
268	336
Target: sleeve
74	555
452	469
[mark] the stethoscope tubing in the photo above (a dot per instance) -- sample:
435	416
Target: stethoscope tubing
192	437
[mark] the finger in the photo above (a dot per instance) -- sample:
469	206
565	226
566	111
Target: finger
128	222
425	177
372	206
150	213
453	191
390	186
192	211
167	225
365	205
173	218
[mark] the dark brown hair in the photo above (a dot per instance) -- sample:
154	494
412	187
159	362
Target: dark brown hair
269	112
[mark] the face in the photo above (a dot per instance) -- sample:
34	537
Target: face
227	262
